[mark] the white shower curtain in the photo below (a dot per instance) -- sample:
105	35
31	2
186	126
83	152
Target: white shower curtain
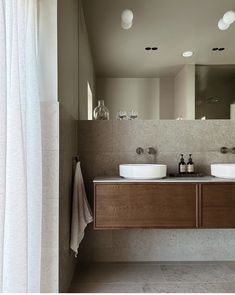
20	149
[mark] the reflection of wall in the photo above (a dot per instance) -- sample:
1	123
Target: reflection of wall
167	98
126	94
105	145
68	98
218	86
232	111
86	68
185	93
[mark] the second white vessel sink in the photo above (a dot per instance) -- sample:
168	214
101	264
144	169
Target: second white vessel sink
223	170
143	171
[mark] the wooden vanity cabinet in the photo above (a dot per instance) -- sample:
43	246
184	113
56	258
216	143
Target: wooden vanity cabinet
145	205
217	205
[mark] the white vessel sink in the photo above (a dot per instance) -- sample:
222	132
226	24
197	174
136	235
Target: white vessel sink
142	171
223	170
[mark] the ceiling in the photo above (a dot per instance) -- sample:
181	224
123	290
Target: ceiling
173	26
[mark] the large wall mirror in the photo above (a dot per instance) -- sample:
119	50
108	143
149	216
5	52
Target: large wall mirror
160	59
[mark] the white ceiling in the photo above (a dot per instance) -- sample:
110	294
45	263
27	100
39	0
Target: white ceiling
172	25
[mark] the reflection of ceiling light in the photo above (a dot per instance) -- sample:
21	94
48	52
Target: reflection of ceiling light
127	17
225	22
222	25
229	17
187	54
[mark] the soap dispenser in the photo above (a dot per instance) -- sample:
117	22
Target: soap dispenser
190	165
182	165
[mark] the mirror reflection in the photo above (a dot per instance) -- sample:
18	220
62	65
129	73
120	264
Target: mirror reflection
156	59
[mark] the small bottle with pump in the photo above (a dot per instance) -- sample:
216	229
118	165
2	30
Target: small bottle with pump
190	165
182	165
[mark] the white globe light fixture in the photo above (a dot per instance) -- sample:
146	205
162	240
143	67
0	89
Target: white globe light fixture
222	25
229	17
225	22
127	17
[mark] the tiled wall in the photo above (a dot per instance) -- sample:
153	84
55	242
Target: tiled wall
50	205
103	145
68	149
68	98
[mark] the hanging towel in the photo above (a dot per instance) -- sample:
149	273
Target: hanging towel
81	212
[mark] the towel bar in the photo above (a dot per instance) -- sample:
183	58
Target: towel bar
76	159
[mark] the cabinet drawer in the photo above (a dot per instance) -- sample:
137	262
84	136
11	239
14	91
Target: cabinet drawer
145	206
218	206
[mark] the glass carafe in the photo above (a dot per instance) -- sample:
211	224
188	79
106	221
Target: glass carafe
101	112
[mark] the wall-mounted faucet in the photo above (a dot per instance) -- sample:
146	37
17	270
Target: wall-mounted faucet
139	151
225	150
151	151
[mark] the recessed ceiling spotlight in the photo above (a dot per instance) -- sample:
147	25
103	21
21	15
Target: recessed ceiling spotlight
215	48
187	54
148	48
154	48
221	49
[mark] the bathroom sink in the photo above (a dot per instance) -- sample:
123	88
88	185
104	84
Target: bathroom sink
142	171
223	170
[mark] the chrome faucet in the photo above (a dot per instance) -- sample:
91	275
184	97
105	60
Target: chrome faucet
225	150
151	151
139	151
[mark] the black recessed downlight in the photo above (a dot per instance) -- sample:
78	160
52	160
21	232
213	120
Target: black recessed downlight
154	48
148	48
221	49
215	48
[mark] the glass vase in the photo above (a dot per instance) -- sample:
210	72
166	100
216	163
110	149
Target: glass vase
101	112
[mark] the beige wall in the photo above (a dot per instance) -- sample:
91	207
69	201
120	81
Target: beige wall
167	103
48	50
50	144
68	98
185	93
105	145
86	67
126	94
232	111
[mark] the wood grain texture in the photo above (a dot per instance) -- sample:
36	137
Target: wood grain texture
218	206
145	206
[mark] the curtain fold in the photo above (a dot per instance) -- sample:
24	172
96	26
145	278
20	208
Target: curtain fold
20	149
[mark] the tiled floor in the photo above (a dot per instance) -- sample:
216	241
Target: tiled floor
198	277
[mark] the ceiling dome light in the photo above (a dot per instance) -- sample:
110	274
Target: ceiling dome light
126	26
229	17
187	54
222	25
127	17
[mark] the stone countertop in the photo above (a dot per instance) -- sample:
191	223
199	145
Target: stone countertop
204	179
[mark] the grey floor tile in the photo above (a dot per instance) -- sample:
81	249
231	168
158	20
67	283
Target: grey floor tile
220	288
196	277
203	273
174	288
120	273
107	288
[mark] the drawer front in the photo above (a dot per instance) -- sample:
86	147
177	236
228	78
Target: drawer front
145	206
218	206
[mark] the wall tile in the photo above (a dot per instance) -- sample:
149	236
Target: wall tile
49	270
95	136
101	156
50	128
50	202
